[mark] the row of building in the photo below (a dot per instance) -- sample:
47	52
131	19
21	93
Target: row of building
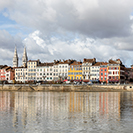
89	70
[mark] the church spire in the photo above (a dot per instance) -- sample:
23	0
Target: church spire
15	58
24	58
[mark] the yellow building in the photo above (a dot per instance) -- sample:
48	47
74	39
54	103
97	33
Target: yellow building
75	71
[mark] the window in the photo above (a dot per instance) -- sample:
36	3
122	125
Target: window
101	74
101	69
105	74
105	69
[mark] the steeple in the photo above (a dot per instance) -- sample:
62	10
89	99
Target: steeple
15	58
24	58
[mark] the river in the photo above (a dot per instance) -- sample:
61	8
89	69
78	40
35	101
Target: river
66	112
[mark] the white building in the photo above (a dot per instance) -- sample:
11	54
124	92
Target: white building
55	71
94	71
63	69
21	74
86	66
44	72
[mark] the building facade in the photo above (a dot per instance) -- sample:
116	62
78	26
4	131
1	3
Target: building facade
6	73
103	72
86	66
94	71
116	72
21	74
44	72
31	66
75	71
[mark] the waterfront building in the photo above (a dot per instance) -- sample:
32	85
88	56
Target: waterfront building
21	74
31	66
94	71
75	71
103	72
116	71
44	72
63	69
10	76
15	58
6	73
55	70
86	65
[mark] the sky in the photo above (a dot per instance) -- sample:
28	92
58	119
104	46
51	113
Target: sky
67	29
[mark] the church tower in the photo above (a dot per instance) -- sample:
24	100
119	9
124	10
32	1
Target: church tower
15	58
24	58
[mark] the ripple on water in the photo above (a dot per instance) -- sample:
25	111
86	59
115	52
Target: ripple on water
54	112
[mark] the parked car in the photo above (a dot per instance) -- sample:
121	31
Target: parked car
39	82
89	83
67	82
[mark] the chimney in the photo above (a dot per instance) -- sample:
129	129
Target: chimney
84	60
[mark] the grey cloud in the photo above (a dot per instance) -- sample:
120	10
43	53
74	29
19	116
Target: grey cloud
71	29
7	41
97	19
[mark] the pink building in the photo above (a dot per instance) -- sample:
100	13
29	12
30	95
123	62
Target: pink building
6	73
103	72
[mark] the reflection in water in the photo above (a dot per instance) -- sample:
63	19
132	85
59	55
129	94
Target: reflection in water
65	111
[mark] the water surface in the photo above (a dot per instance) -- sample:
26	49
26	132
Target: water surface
63	112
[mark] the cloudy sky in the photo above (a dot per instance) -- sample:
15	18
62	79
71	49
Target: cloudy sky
67	29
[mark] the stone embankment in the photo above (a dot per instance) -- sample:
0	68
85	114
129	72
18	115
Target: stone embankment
65	87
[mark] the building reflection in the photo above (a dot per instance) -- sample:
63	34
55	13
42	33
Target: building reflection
35	108
6	101
102	102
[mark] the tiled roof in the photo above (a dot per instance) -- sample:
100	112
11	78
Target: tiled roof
2	66
89	60
46	64
69	61
76	63
104	63
20	67
34	60
98	63
112	62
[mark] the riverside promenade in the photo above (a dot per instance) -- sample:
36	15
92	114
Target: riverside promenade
66	87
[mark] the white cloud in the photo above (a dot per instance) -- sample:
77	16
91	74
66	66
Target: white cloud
76	49
71	29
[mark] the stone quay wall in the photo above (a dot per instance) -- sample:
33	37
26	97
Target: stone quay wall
64	87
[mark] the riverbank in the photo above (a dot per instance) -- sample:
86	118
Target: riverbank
66	88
